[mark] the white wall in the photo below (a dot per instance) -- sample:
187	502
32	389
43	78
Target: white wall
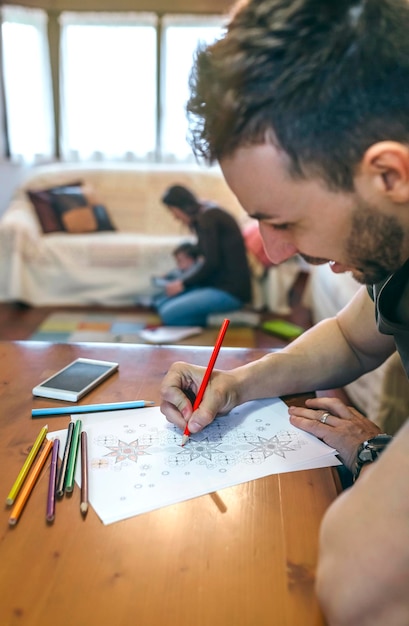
11	176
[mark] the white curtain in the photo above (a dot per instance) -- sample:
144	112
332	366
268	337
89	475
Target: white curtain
27	84
108	86
181	37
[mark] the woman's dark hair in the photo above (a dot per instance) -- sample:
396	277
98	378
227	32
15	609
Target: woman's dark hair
181	198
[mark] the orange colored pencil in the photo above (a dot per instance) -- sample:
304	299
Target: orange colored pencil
26	467
30	483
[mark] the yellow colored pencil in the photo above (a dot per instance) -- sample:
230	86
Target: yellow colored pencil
29	484
27	464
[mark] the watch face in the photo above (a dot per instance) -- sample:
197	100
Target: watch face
369	451
367	454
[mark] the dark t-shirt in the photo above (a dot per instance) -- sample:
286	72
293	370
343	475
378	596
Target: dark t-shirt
221	243
387	295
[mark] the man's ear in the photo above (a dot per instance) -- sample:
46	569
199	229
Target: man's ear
386	165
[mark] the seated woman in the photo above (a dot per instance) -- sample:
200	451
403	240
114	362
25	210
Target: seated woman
222	282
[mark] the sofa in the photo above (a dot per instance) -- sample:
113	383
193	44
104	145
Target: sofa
113	234
383	394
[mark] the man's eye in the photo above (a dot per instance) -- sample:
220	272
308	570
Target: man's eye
280	226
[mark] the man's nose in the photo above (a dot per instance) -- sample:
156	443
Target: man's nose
278	246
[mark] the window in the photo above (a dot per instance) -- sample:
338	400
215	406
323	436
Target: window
116	103
181	39
27	84
108	86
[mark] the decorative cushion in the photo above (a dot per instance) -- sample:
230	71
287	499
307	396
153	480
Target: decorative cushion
66	199
80	219
102	217
42	201
67	208
78	216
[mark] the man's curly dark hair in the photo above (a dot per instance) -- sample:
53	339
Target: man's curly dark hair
321	79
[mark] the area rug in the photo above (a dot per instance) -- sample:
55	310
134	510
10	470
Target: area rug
99	327
74	327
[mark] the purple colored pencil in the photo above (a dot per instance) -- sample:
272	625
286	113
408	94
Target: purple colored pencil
52	482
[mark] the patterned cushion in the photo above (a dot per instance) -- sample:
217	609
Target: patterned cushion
43	202
66	208
79	220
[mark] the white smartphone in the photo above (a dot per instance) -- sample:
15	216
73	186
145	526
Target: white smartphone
75	380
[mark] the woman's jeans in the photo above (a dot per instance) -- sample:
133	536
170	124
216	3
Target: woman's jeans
192	307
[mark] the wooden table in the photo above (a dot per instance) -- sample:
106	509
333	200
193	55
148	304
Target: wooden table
242	557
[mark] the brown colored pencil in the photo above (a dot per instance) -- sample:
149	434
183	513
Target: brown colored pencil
84	473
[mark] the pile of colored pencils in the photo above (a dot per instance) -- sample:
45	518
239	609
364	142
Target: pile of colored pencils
60	481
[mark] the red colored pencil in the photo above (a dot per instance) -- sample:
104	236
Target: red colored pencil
208	373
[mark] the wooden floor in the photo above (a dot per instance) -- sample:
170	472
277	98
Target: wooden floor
18	322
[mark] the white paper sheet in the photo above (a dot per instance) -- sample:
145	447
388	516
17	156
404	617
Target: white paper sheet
169	334
137	463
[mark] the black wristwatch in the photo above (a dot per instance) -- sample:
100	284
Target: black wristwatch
369	451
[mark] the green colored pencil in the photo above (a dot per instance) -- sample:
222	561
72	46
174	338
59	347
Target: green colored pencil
69	481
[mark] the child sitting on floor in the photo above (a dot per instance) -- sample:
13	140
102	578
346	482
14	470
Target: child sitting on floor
187	259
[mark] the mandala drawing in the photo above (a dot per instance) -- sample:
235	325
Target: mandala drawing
221	447
138	464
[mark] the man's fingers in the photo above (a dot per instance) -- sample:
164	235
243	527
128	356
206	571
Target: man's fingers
178	390
334	406
173	414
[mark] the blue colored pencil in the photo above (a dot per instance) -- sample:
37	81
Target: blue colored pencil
91	408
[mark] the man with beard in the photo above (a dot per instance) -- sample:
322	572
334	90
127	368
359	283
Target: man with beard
305	105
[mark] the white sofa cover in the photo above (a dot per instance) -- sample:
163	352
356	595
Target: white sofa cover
383	394
112	268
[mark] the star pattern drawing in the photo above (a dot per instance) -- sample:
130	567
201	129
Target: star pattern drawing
219	449
275	445
124	451
205	449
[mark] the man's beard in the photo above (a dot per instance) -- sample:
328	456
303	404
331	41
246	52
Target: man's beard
374	248
375	245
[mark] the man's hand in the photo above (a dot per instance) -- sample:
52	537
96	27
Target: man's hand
340	426
181	385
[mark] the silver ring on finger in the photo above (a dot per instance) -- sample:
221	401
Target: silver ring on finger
324	418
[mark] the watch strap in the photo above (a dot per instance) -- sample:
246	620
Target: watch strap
369	451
